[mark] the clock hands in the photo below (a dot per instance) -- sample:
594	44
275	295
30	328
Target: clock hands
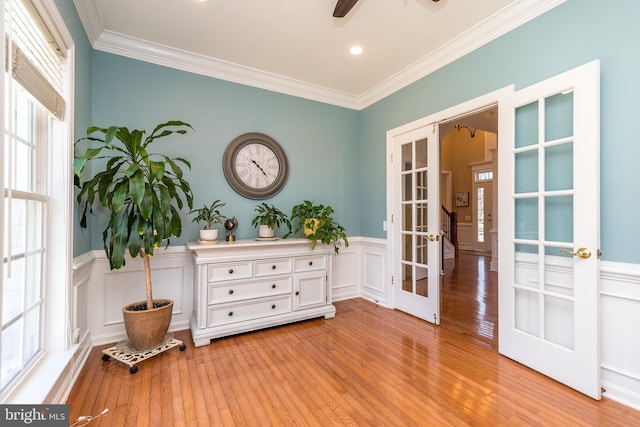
259	167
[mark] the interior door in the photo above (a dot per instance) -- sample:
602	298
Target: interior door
549	228
415	222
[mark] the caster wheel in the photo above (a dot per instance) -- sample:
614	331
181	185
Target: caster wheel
133	369
105	357
183	347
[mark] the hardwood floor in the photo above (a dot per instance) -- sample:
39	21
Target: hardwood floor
469	298
369	366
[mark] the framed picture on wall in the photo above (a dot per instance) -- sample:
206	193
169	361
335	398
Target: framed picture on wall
462	199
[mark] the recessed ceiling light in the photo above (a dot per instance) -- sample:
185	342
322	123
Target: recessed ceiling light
356	50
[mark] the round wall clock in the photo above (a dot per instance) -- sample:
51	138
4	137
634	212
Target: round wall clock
255	166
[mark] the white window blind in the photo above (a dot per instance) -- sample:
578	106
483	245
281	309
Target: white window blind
33	57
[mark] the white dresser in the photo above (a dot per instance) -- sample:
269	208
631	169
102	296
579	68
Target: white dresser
249	284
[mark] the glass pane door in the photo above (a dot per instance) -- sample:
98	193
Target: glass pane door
415	230
414	217
549	228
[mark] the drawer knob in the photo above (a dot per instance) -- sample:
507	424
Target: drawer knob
273	306
273	286
231	313
273	267
297	292
230	291
231	271
310	262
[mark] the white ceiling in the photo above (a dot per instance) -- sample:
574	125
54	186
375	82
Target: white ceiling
297	47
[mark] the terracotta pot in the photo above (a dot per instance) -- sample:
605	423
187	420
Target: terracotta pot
147	328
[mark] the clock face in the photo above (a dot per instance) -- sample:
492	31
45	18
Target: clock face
255	166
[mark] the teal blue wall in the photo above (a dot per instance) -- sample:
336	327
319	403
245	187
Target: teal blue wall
337	155
571	34
82	101
318	138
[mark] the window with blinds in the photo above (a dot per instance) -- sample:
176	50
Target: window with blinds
34	112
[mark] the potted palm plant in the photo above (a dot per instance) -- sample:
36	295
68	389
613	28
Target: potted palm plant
208	216
317	223
267	219
143	192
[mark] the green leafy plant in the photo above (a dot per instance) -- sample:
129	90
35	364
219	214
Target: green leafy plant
143	191
270	216
318	224
209	215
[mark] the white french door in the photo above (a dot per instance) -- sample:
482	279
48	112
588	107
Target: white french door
549	228
415	222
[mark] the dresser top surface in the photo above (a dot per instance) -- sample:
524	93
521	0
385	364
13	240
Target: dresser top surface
250	246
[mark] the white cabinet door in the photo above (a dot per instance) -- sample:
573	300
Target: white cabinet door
310	290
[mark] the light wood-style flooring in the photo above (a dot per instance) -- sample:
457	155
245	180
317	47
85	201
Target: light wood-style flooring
368	366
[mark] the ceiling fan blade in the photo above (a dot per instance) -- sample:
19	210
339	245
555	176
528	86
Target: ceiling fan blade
343	7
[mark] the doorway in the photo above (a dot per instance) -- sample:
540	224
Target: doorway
549	223
469	287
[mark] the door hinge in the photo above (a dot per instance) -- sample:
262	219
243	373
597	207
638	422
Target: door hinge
393	157
434	128
393	279
393	218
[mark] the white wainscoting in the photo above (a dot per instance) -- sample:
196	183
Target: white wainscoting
172	278
620	314
375	277
465	236
359	271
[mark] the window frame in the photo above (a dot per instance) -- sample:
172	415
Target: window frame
57	266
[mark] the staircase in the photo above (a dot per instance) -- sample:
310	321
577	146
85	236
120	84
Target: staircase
449	234
448	249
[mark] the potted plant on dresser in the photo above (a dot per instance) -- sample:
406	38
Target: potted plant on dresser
267	219
318	224
143	192
208	216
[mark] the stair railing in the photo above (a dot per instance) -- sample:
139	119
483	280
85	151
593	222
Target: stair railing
450	227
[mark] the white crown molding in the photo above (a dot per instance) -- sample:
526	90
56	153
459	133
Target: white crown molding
199	64
498	24
90	18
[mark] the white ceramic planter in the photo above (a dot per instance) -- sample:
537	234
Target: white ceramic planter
264	231
209	235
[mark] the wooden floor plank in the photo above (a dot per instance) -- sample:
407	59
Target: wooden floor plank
368	366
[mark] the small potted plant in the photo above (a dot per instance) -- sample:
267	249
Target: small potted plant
208	216
267	219
318	224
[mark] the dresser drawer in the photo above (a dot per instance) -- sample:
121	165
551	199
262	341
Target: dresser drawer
229	271
224	293
234	313
310	263
268	267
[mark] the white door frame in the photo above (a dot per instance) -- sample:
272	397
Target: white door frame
448	114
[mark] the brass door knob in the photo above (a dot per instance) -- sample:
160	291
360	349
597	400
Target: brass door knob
583	253
433	238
